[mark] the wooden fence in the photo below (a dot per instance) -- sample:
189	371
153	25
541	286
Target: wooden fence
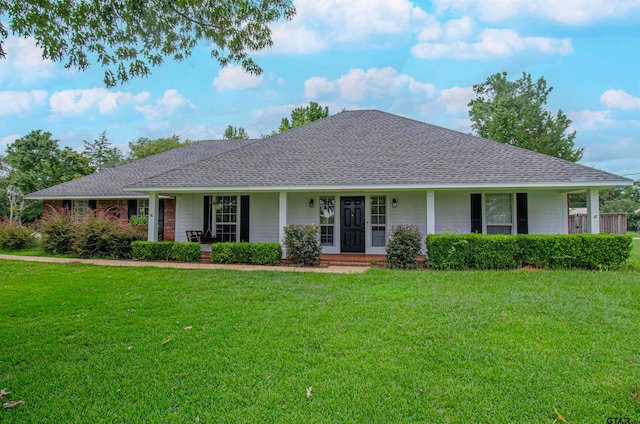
610	223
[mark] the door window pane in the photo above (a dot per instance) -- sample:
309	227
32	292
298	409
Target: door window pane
327	220
378	220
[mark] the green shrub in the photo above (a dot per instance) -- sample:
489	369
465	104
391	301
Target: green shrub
222	253
603	251
494	252
102	235
14	236
242	252
57	228
246	253
139	221
165	251
302	244
186	252
266	254
544	251
480	251
404	247
151	251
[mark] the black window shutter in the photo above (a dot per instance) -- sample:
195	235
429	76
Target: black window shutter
132	207
476	213
66	204
93	204
244	218
206	226
522	211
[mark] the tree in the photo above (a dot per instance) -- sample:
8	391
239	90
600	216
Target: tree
233	133
129	37
100	153
143	147
304	115
623	199
35	162
515	113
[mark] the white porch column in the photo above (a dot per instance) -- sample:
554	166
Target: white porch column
593	211
282	221
152	234
431	212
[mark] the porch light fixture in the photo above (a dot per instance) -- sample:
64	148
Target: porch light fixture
394	203
311	203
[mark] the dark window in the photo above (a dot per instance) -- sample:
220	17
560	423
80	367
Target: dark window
522	211
476	213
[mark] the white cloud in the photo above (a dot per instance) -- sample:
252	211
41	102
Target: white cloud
164	106
319	23
24	62
588	119
619	99
358	84
76	102
8	139
235	78
295	38
565	11
492	42
454	99
16	102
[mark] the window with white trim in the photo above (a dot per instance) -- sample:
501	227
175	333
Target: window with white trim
378	221
327	220
80	207
143	208
226	218
499	213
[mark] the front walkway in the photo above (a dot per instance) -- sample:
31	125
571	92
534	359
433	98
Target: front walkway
185	265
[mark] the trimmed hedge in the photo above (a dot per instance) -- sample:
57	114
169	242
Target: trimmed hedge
481	251
246	253
166	251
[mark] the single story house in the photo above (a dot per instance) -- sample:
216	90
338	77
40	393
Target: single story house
355	175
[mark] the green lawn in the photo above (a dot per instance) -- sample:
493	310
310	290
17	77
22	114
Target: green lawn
634	259
383	346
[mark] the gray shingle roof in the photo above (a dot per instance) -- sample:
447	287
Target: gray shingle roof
350	149
110	182
367	148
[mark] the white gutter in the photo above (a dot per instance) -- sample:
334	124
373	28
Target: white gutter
208	189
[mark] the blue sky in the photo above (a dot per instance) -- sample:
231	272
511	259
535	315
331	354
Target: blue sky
417	59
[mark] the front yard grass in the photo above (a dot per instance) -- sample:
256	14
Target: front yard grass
83	343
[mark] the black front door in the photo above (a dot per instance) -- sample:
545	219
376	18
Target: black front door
352	224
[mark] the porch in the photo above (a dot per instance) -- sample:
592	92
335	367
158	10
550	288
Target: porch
340	259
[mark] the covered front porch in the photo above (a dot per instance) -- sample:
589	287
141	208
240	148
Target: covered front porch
357	222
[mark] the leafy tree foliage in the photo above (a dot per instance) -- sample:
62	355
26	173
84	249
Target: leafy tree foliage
233	133
626	199
143	147
35	162
129	37
100	153
514	112
304	115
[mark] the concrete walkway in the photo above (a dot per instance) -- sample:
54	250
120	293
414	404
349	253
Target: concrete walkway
184	265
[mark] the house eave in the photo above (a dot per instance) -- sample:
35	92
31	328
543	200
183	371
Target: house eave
369	187
89	197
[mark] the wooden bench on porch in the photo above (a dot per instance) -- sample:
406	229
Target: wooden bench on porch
199	236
